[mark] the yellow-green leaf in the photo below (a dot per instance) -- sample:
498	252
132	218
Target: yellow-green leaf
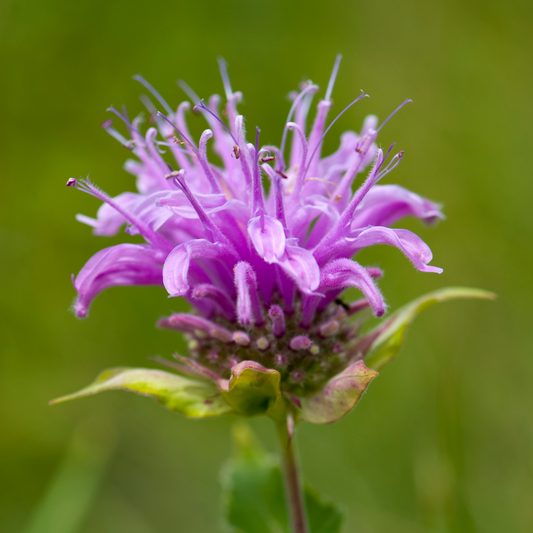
390	336
192	398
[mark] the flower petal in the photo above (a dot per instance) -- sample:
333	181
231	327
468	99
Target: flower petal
178	262
108	220
268	237
344	273
302	267
125	264
179	204
386	204
406	241
248	304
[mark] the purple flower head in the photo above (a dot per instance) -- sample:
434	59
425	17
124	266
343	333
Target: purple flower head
259	239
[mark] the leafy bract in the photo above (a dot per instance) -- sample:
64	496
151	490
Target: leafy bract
388	338
254	497
339	396
252	389
192	398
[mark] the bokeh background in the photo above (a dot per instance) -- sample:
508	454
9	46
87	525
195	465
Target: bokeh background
443	440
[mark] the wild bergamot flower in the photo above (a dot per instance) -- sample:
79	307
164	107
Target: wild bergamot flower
262	270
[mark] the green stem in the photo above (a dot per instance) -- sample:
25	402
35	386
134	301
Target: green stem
293	486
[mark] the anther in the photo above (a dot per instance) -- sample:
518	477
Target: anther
394	112
71	182
236	152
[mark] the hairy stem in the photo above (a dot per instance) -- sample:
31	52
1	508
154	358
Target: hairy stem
293	487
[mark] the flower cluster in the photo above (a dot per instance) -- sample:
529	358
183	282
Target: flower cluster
263	270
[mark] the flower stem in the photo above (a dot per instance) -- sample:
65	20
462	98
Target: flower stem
293	487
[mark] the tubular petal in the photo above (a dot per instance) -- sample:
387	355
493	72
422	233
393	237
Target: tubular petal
268	237
177	264
124	264
248	305
344	273
416	250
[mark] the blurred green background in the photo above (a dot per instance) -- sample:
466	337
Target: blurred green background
443	440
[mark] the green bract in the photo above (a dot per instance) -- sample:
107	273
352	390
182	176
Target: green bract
192	398
389	337
254	390
339	396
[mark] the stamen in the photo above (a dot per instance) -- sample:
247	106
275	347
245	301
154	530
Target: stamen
189	143
201	105
363	95
223	66
278	195
310	89
124	119
298	184
394	112
156	94
333	77
213	233
257	187
324	247
146	231
185	87
107	125
202	156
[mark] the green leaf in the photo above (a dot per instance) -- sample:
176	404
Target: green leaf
253	390
323	517
254	496
192	398
388	338
74	487
339	396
